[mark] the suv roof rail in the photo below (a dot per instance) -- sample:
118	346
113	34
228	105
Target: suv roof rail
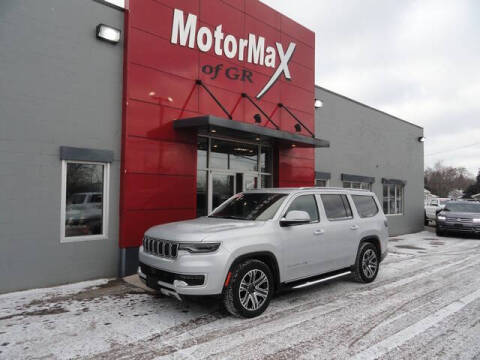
330	188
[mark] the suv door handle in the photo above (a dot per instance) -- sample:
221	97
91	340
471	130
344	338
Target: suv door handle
354	227
318	232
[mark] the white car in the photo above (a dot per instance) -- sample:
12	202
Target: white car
261	241
433	207
83	215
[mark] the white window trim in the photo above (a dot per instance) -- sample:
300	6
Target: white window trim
395	199
120	4
369	185
105	197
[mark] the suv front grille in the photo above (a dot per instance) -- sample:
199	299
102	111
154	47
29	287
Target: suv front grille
459	220
158	247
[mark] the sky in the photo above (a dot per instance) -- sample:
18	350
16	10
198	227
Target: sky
417	60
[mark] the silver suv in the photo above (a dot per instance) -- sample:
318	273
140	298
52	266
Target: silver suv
261	241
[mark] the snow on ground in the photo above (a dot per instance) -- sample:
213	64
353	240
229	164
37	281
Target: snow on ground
425	303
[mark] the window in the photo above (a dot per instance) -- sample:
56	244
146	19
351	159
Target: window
84	200
336	206
357	185
305	203
393	199
467	207
321	183
366	205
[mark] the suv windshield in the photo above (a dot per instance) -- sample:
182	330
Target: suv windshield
463	207
250	206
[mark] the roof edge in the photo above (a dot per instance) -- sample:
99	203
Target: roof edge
368	106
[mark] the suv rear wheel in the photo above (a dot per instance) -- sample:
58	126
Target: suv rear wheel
249	290
366	266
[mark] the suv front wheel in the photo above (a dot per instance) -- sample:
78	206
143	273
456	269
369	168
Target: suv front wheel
366	266
249	290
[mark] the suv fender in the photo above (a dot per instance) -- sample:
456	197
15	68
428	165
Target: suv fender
265	256
375	241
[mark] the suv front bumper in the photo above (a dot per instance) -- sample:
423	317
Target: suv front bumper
188	274
459	227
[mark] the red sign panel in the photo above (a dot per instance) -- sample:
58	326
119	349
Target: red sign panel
234	47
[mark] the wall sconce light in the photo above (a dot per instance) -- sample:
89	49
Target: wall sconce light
297	127
258	118
318	103
421	139
108	33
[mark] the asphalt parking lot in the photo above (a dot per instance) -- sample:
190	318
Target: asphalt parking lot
424	304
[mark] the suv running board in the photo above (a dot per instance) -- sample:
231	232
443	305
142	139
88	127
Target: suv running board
318	279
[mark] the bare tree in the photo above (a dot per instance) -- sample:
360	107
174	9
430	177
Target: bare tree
474	188
441	179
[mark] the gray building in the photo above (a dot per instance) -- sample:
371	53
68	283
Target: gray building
61	146
373	150
59	86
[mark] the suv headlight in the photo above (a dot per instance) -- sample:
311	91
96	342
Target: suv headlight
477	221
441	217
199	248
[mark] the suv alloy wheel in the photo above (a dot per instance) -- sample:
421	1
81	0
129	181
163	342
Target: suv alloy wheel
366	266
249	290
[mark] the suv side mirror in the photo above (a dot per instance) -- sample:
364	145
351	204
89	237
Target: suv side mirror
295	217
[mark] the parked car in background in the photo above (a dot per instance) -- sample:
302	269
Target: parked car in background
260	241
433	207
83	215
459	216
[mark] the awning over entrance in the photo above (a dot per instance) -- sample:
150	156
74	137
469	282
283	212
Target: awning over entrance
227	127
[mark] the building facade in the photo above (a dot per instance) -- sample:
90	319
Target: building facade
372	150
117	117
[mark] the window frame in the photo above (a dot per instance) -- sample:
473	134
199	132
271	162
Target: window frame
395	198
360	184
320	186
105	197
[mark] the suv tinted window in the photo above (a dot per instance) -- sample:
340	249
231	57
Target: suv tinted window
336	206
366	205
305	203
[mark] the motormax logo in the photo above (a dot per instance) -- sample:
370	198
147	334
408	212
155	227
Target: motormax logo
251	50
231	73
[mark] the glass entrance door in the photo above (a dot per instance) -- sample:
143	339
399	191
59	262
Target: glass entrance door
226	167
223	187
250	182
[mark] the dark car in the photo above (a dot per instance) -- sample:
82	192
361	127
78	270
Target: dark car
459	216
